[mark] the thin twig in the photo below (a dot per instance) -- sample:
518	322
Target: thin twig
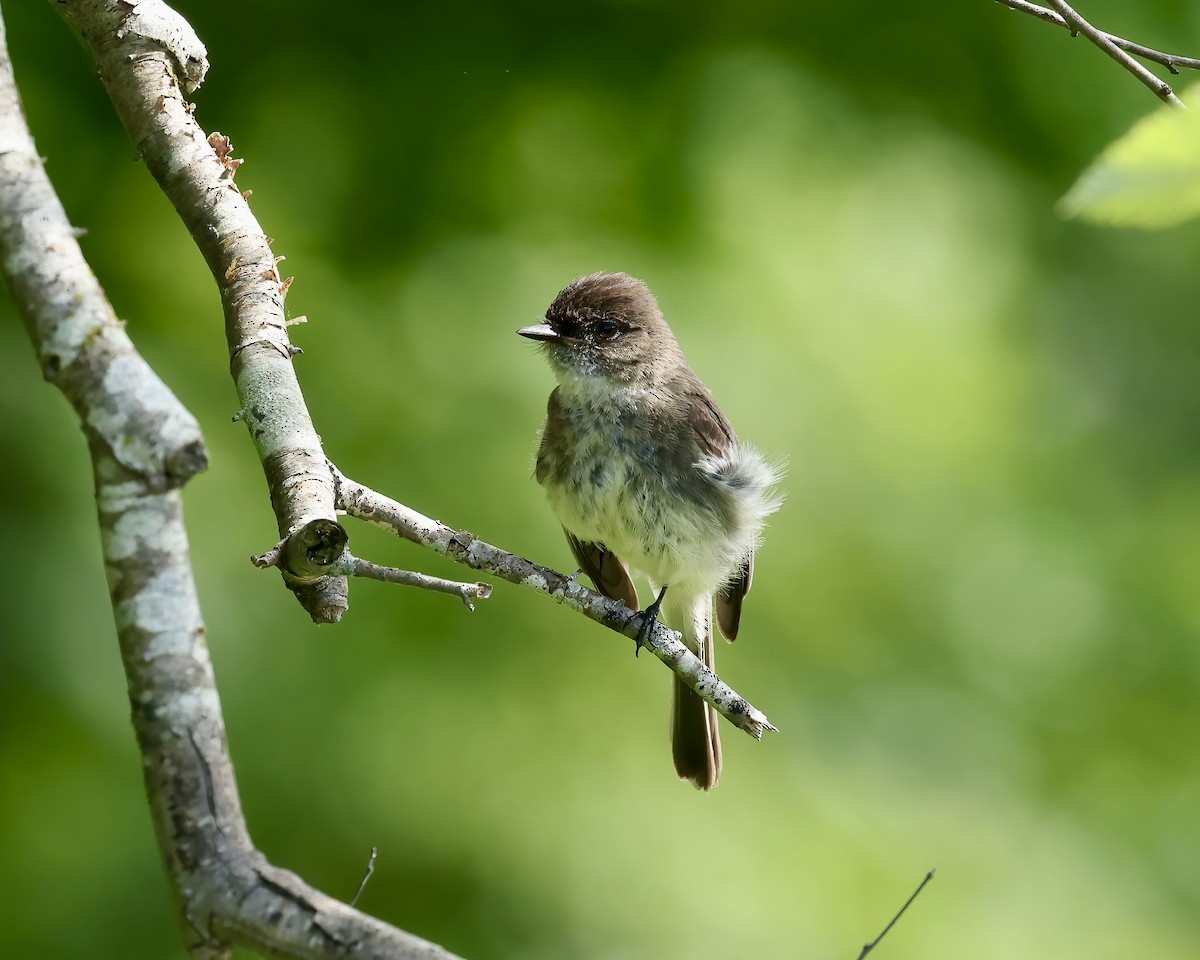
411	578
1116	47
1169	60
868	947
366	876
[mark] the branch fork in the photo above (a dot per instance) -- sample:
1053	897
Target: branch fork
319	549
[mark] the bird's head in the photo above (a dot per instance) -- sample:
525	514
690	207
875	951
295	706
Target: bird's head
607	326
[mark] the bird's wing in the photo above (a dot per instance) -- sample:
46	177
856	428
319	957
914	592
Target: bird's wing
608	573
729	600
710	428
548	465
714	436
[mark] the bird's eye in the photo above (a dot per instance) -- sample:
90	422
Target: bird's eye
607	329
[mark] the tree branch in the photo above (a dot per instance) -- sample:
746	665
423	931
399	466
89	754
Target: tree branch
148	60
665	643
144	445
1116	47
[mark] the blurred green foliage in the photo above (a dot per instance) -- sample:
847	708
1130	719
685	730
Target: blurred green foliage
1149	177
975	620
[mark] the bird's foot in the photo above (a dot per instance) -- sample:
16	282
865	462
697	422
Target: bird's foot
649	615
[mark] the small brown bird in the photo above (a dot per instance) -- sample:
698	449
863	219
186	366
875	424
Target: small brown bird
643	470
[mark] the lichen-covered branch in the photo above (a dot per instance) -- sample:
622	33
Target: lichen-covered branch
144	445
149	59
81	346
365	504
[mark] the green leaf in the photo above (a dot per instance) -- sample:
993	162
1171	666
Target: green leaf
1149	178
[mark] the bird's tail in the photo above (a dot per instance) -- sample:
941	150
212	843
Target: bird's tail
695	741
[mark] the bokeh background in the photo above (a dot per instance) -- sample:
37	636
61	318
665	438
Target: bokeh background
975	620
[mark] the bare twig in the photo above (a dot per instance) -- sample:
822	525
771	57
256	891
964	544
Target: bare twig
366	876
1169	60
410	578
1116	47
364	503
868	947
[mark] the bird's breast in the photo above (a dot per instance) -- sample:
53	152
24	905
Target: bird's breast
614	478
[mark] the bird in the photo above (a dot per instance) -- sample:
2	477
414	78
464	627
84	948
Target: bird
645	473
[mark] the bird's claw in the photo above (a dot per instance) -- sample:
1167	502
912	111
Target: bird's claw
649	615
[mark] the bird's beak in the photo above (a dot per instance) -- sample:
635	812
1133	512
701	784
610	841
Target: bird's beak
540	331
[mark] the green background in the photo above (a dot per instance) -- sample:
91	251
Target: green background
974	621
